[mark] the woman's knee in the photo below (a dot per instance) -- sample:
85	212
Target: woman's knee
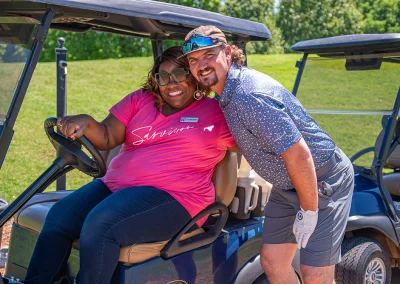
62	219
59	209
97	225
95	236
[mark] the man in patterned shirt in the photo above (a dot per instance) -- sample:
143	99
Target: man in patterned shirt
312	178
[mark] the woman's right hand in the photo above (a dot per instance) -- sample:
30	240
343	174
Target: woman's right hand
103	135
74	126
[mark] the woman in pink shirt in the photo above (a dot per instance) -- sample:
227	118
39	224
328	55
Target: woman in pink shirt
172	136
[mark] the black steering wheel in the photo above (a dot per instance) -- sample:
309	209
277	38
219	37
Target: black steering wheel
69	152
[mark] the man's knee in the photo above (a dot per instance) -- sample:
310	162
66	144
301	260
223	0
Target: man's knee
317	275
277	257
267	259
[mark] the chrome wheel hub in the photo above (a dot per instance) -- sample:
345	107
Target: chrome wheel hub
375	272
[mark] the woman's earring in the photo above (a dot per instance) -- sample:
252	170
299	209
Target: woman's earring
198	94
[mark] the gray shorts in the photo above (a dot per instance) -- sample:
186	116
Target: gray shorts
335	189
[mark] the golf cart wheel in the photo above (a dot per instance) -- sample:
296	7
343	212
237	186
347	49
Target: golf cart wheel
363	261
262	279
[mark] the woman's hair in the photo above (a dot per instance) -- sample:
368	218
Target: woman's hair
238	56
171	54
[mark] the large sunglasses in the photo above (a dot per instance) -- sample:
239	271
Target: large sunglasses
178	75
199	42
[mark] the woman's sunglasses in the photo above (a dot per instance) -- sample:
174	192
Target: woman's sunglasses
178	75
199	42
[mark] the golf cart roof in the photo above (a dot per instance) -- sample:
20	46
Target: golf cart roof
142	18
24	25
375	43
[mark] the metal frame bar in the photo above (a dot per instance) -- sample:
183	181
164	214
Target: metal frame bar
6	129
61	66
299	64
40	37
158	47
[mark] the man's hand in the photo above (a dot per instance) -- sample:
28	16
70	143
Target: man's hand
304	226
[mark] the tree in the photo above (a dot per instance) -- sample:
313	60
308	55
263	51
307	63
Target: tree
260	11
380	16
301	20
210	5
95	45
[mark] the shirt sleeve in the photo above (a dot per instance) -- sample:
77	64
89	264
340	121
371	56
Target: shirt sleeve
270	121
126	108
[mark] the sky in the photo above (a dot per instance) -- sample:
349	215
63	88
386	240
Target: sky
276	5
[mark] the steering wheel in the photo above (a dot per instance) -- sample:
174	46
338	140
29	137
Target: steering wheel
69	152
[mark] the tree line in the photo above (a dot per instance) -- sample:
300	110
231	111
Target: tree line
290	22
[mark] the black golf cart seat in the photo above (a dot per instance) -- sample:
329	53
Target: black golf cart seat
392	180
32	215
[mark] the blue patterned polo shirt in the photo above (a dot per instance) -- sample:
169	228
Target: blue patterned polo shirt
265	120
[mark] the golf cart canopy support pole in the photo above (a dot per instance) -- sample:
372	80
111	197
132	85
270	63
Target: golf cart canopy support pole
6	132
61	66
158	47
299	64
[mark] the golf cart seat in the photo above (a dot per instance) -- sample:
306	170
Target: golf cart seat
391	181
33	214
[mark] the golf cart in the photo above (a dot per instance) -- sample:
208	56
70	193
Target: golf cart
360	73
226	248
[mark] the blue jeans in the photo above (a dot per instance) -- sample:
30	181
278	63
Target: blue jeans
103	221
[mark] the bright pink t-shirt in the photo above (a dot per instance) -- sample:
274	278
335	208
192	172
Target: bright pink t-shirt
176	153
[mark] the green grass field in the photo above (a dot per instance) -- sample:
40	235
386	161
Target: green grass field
94	86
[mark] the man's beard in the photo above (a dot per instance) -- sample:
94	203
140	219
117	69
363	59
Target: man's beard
209	81
209	84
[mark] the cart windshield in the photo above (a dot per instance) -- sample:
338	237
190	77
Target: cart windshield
349	96
15	48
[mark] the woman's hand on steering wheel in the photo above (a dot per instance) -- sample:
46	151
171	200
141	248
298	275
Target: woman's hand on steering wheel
70	152
73	126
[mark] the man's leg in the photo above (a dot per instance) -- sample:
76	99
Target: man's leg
276	260
318	275
323	251
279	243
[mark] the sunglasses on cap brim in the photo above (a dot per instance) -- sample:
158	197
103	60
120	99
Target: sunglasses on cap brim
200	42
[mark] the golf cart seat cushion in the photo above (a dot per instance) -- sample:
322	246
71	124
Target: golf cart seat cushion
225	178
392	183
32	218
393	161
33	214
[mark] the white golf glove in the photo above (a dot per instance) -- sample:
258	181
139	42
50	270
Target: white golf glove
304	226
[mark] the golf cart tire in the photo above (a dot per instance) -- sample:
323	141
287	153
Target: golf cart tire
357	253
262	279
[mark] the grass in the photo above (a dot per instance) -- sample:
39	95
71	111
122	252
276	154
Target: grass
94	86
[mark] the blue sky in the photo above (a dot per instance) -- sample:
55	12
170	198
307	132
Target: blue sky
276	5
